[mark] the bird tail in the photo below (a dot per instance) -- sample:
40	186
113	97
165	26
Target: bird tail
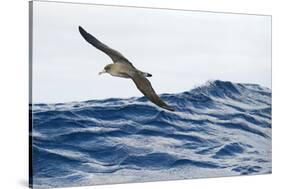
147	75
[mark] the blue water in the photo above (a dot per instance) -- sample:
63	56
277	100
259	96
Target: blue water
218	129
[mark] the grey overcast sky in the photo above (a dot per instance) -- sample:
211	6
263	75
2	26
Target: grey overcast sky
182	49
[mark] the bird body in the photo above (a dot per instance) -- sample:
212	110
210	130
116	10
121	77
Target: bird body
122	67
123	70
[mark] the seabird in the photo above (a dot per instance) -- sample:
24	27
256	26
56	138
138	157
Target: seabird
122	67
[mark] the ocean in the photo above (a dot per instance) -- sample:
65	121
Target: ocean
218	129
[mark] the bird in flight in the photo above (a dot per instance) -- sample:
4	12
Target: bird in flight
122	67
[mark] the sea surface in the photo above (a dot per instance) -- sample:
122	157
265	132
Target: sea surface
218	129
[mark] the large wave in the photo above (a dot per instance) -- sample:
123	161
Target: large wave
218	129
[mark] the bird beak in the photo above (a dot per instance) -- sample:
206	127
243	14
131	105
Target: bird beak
102	72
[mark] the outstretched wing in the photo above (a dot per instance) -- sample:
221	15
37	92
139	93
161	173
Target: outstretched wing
145	87
113	54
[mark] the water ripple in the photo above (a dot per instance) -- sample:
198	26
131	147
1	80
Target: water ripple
220	128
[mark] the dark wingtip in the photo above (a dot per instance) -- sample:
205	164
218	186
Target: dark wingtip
169	108
81	30
84	34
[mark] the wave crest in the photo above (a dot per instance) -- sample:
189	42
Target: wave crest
213	124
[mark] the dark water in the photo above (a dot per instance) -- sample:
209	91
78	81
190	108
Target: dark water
218	129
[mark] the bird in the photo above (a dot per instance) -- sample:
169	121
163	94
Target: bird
122	67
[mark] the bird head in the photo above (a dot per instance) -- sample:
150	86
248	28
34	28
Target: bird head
106	69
